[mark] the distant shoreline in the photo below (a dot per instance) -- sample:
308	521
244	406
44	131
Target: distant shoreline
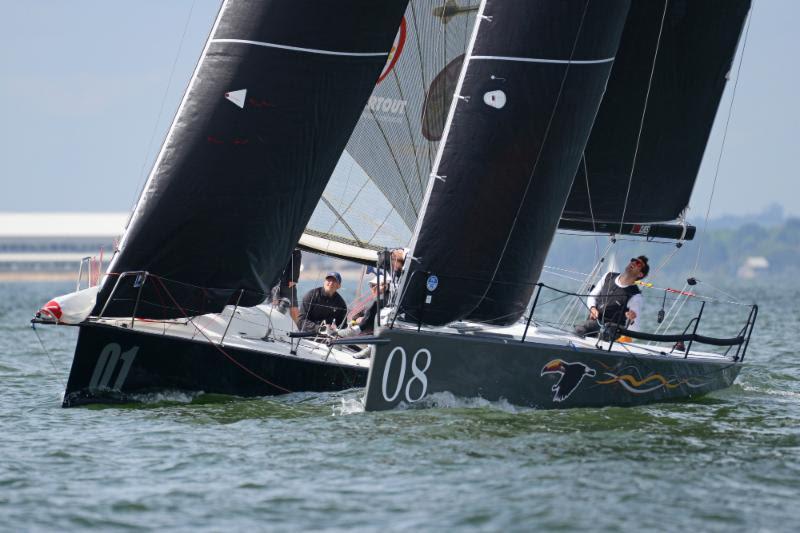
35	277
348	275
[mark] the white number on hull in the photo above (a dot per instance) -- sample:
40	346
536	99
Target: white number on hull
107	363
418	375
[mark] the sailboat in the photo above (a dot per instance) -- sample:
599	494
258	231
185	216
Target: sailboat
485	126
280	90
583	116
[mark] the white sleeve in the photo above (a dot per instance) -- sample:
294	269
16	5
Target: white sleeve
635	304
592	300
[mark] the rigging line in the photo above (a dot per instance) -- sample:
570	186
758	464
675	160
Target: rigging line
575	308
342	220
541	148
330	206
385	219
410	131
47	353
161	107
397	164
341	214
591	209
644	114
663	326
584	274
215	345
724	138
664	262
422	69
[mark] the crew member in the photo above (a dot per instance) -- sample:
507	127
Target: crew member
617	300
323	305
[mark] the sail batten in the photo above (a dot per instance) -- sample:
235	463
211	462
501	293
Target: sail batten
299	49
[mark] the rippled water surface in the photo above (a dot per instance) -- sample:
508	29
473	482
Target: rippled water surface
730	461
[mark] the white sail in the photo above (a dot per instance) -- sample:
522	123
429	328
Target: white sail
374	196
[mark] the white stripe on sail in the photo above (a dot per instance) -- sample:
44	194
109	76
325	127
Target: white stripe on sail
298	49
539	60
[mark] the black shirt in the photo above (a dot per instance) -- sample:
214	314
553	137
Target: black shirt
317	308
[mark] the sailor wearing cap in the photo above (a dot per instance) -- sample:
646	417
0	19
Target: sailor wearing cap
323	305
365	324
617	300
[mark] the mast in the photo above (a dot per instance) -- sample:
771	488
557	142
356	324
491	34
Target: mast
529	90
276	93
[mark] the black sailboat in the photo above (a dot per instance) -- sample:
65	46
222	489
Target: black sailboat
585	115
253	166
277	91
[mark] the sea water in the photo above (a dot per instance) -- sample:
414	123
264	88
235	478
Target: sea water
180	462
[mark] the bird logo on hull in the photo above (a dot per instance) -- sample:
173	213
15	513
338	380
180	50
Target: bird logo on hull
571	376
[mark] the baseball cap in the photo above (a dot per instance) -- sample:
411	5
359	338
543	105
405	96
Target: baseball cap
335	275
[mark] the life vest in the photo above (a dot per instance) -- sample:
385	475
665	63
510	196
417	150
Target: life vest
612	302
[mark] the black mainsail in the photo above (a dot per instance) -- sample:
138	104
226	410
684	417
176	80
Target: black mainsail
529	91
687	46
277	91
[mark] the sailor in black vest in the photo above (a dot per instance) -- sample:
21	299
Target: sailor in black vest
617	300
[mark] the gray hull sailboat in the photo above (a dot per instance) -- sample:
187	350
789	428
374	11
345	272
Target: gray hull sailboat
581	115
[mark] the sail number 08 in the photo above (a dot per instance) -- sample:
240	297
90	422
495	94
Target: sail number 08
418	374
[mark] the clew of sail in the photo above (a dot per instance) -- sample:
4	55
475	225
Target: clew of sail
530	89
276	94
374	197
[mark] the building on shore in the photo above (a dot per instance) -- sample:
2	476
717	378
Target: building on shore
51	246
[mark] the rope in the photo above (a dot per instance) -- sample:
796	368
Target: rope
163	102
644	113
724	138
591	209
219	348
47	353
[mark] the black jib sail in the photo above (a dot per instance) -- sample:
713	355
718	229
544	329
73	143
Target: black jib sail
652	128
688	46
529	91
274	98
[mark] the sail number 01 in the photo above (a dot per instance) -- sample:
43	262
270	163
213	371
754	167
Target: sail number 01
418	374
107	364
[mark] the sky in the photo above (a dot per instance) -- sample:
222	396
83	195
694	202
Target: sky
88	89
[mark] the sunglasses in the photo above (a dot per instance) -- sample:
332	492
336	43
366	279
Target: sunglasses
638	262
